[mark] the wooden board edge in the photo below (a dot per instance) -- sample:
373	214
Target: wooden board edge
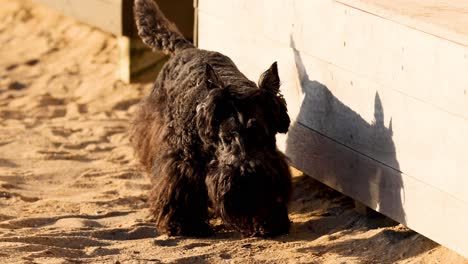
404	199
417	24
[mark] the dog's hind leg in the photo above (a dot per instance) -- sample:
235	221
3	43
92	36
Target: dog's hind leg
179	197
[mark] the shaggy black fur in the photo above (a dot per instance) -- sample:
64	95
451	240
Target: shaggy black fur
206	135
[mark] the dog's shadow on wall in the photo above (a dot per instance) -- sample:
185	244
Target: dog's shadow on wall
335	145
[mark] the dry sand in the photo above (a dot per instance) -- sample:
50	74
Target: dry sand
69	190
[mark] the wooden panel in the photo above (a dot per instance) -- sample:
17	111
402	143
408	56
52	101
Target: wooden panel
116	16
422	207
421	134
135	60
342	76
404	59
446	19
419	130
103	14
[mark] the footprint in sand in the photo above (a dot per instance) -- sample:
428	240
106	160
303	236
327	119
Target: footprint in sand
32	62
47	99
43	251
38	251
196	245
78	220
13	195
11	114
58	245
61	155
16	86
93	173
51	251
76	242
75	223
61	131
75	110
5	217
192	259
11	67
14	180
132	233
7	163
127	175
80	145
170	242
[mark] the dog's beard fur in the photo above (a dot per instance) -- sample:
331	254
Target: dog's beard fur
248	196
206	135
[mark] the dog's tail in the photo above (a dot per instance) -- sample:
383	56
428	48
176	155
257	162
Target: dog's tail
156	30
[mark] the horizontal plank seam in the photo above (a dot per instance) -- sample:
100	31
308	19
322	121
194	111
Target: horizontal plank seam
346	146
380	162
360	76
378	84
404	24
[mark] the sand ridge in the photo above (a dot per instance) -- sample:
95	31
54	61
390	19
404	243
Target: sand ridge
70	191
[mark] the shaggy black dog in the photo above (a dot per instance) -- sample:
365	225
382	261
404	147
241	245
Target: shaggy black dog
206	135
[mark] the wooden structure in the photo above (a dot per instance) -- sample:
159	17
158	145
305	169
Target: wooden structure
116	17
378	91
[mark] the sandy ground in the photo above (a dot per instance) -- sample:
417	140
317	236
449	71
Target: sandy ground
69	189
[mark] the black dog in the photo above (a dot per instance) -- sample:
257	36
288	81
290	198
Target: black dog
206	135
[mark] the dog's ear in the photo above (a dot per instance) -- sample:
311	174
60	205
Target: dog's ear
269	80
212	79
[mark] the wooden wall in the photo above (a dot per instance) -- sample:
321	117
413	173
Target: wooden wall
136	61
378	96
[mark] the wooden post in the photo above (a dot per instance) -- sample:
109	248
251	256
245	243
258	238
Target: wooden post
135	58
116	17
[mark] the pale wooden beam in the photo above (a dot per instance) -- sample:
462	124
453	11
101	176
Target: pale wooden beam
116	17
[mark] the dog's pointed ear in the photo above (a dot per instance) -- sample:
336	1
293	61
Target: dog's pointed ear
270	80
211	78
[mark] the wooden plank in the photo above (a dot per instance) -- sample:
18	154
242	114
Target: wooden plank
116	17
407	60
136	59
421	207
103	14
195	23
429	140
341	74
445	19
342	106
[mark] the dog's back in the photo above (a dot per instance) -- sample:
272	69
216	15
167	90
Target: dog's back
180	86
